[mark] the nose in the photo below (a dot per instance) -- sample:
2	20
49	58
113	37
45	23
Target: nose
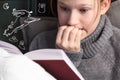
73	18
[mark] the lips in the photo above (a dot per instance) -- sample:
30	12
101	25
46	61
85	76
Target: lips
81	28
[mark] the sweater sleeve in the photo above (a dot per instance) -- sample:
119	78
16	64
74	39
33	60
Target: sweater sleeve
75	57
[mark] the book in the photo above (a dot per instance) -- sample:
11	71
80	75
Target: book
16	66
55	62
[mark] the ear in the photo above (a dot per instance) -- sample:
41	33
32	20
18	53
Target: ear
104	6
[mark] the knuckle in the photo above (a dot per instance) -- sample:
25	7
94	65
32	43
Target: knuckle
72	32
57	42
77	48
66	30
62	28
71	46
64	45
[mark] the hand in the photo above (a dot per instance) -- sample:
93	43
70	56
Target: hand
68	38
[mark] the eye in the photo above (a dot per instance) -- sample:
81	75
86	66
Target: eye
64	8
83	10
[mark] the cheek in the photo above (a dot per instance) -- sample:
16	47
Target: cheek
88	21
62	19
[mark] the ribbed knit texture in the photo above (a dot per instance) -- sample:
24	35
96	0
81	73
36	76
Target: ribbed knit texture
97	40
98	54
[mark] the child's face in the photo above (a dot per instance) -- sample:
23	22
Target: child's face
84	13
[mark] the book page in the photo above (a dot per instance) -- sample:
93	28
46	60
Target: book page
10	48
46	57
20	67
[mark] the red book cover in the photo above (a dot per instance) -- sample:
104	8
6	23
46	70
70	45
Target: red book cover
55	62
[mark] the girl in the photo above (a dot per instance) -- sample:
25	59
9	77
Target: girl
87	36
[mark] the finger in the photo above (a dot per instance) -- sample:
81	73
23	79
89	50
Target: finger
78	40
79	26
78	36
72	46
66	33
59	34
73	35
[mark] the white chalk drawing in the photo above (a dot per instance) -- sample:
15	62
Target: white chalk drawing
21	45
42	8
19	13
12	29
6	6
13	39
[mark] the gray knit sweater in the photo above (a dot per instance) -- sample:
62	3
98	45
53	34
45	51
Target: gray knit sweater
99	58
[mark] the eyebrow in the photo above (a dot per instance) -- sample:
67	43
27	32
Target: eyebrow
60	2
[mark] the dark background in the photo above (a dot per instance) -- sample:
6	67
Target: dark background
39	8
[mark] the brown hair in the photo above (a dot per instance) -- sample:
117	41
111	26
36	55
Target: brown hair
53	6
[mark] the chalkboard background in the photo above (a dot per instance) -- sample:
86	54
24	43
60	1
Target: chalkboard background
10	13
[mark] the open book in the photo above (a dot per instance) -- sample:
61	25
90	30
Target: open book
16	66
56	62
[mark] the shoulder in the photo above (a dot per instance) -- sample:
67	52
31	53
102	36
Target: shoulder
115	39
46	35
44	40
113	13
116	34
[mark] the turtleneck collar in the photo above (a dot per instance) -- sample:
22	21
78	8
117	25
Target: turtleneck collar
96	42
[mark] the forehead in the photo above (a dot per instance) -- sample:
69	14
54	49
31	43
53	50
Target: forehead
77	2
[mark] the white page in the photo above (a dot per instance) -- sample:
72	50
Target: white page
20	67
